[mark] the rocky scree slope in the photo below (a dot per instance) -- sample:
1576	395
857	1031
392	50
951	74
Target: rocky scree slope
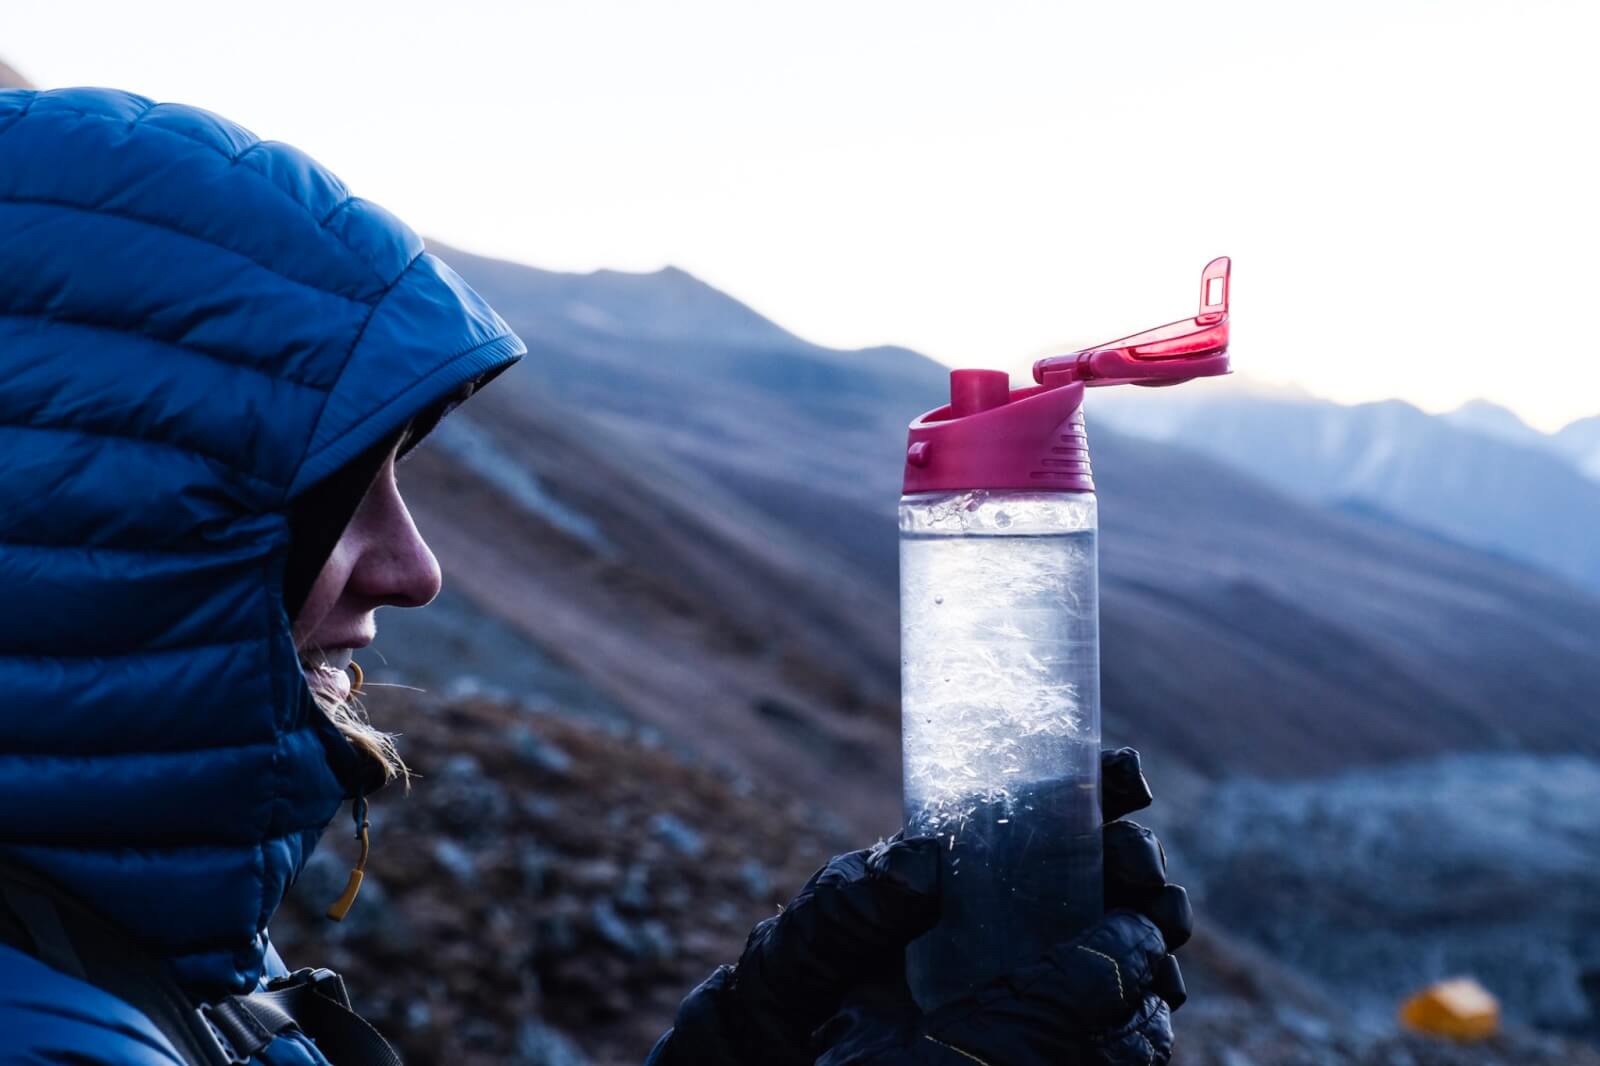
552	887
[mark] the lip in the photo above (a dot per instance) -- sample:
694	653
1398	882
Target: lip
336	654
346	645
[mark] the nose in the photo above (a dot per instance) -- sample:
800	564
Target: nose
417	578
396	567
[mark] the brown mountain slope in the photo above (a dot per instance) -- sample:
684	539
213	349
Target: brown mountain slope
697	618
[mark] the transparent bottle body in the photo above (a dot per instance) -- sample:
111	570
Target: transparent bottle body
1000	695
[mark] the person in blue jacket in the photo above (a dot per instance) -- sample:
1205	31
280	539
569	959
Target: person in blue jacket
212	356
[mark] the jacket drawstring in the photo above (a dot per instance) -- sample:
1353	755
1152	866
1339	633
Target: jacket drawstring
342	905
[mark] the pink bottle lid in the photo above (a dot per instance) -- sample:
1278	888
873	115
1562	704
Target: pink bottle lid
991	436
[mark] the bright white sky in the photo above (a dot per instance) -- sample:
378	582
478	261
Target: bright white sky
1409	190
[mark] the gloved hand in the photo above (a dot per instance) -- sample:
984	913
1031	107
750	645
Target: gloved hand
1103	998
836	955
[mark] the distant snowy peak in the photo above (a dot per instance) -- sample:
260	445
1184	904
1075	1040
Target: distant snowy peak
1492	420
1470	483
1580	442
1387	428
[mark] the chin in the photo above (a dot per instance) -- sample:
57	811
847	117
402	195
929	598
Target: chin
327	679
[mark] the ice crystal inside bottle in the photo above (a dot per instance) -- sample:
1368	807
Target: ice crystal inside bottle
1000	667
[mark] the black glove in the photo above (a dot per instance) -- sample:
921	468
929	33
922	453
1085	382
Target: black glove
854	917
836	954
1101	998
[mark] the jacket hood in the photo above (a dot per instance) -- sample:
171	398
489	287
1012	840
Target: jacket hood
196	326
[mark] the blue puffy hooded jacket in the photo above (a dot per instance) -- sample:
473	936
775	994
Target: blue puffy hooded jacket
196	326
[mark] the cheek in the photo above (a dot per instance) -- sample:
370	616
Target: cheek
322	598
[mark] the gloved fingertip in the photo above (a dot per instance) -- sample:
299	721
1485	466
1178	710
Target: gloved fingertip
1123	788
1131	925
1135	864
910	864
1173	915
1167	982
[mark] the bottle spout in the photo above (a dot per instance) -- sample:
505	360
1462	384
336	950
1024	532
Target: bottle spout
972	391
1167	355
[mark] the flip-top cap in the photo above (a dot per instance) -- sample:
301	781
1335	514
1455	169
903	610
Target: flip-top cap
991	436
1167	355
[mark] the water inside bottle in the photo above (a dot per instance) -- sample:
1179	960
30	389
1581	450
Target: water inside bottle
1000	660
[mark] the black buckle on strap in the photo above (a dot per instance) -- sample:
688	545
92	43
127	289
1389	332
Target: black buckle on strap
319	979
238	1035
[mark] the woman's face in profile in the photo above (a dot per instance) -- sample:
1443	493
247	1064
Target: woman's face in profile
380	561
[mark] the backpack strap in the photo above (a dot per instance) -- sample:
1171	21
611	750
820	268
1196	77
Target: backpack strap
312	1000
40	918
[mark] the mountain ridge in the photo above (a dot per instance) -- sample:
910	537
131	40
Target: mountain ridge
1580	442
1525	502
1495	420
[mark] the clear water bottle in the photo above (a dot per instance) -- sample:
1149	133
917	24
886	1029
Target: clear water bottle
1000	647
